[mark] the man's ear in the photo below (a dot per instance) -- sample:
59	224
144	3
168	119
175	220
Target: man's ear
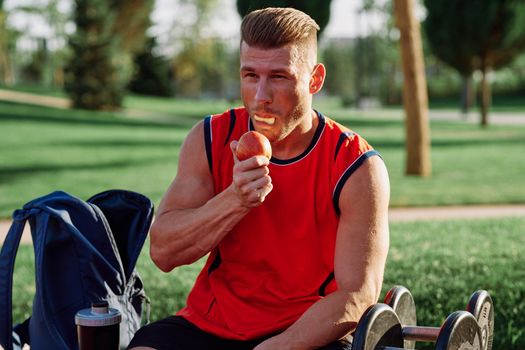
317	79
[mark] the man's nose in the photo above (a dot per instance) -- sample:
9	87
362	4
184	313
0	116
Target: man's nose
264	92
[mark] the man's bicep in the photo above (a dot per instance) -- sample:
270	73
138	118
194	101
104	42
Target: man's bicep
363	235
193	184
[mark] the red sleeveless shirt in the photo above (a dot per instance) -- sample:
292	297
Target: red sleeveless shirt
279	259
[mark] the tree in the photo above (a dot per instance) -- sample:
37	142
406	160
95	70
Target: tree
469	36
319	10
91	78
132	20
339	82
381	44
108	33
415	99
203	66
5	67
152	73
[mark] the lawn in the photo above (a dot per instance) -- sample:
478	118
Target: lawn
45	149
441	263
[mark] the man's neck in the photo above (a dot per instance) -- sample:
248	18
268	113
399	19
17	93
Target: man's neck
298	140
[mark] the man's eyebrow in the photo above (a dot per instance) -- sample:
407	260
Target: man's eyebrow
272	71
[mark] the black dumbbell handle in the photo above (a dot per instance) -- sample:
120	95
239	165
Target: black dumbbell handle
418	333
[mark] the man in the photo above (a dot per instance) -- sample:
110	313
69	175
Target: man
297	244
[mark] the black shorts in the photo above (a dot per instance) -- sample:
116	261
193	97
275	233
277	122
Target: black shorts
176	333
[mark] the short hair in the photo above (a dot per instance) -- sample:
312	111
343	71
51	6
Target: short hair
274	27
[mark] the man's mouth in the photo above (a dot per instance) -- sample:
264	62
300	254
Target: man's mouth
266	120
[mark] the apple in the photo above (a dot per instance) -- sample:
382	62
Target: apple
252	144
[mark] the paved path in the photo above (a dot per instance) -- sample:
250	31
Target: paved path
396	215
29	98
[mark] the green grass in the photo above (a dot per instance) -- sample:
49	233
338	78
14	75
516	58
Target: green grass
470	165
441	263
81	152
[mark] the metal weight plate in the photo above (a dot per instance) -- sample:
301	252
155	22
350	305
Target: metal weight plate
401	301
460	331
480	305
379	326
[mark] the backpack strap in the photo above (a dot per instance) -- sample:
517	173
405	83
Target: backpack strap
49	317
7	265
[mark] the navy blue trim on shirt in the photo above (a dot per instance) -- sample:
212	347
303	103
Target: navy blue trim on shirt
317	135
349	171
322	289
232	125
207	140
344	135
216	262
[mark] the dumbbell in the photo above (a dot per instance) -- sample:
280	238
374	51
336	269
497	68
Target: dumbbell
394	324
480	305
380	329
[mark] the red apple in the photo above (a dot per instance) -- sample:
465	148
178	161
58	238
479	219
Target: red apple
252	144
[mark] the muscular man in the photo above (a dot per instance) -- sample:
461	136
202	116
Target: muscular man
297	244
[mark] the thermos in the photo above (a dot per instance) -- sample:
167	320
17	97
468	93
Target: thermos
98	327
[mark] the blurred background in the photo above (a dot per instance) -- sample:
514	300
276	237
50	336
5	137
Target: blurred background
100	94
189	49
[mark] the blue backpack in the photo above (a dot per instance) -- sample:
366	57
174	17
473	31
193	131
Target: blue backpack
85	252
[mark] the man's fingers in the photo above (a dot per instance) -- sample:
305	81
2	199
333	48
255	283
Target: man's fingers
251	178
247	187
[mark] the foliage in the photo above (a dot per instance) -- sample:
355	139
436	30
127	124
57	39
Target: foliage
132	20
469	36
152	73
340	76
45	65
475	36
319	10
5	76
108	33
426	257
361	68
91	74
205	67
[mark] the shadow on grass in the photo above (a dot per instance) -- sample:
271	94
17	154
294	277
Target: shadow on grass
119	143
11	111
10	174
395	144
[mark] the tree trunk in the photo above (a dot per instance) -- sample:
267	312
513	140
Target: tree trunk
415	97
485	97
467	94
5	67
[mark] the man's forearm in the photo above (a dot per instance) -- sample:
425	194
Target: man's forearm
182	236
326	321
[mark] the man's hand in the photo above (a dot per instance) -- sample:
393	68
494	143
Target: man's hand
251	179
